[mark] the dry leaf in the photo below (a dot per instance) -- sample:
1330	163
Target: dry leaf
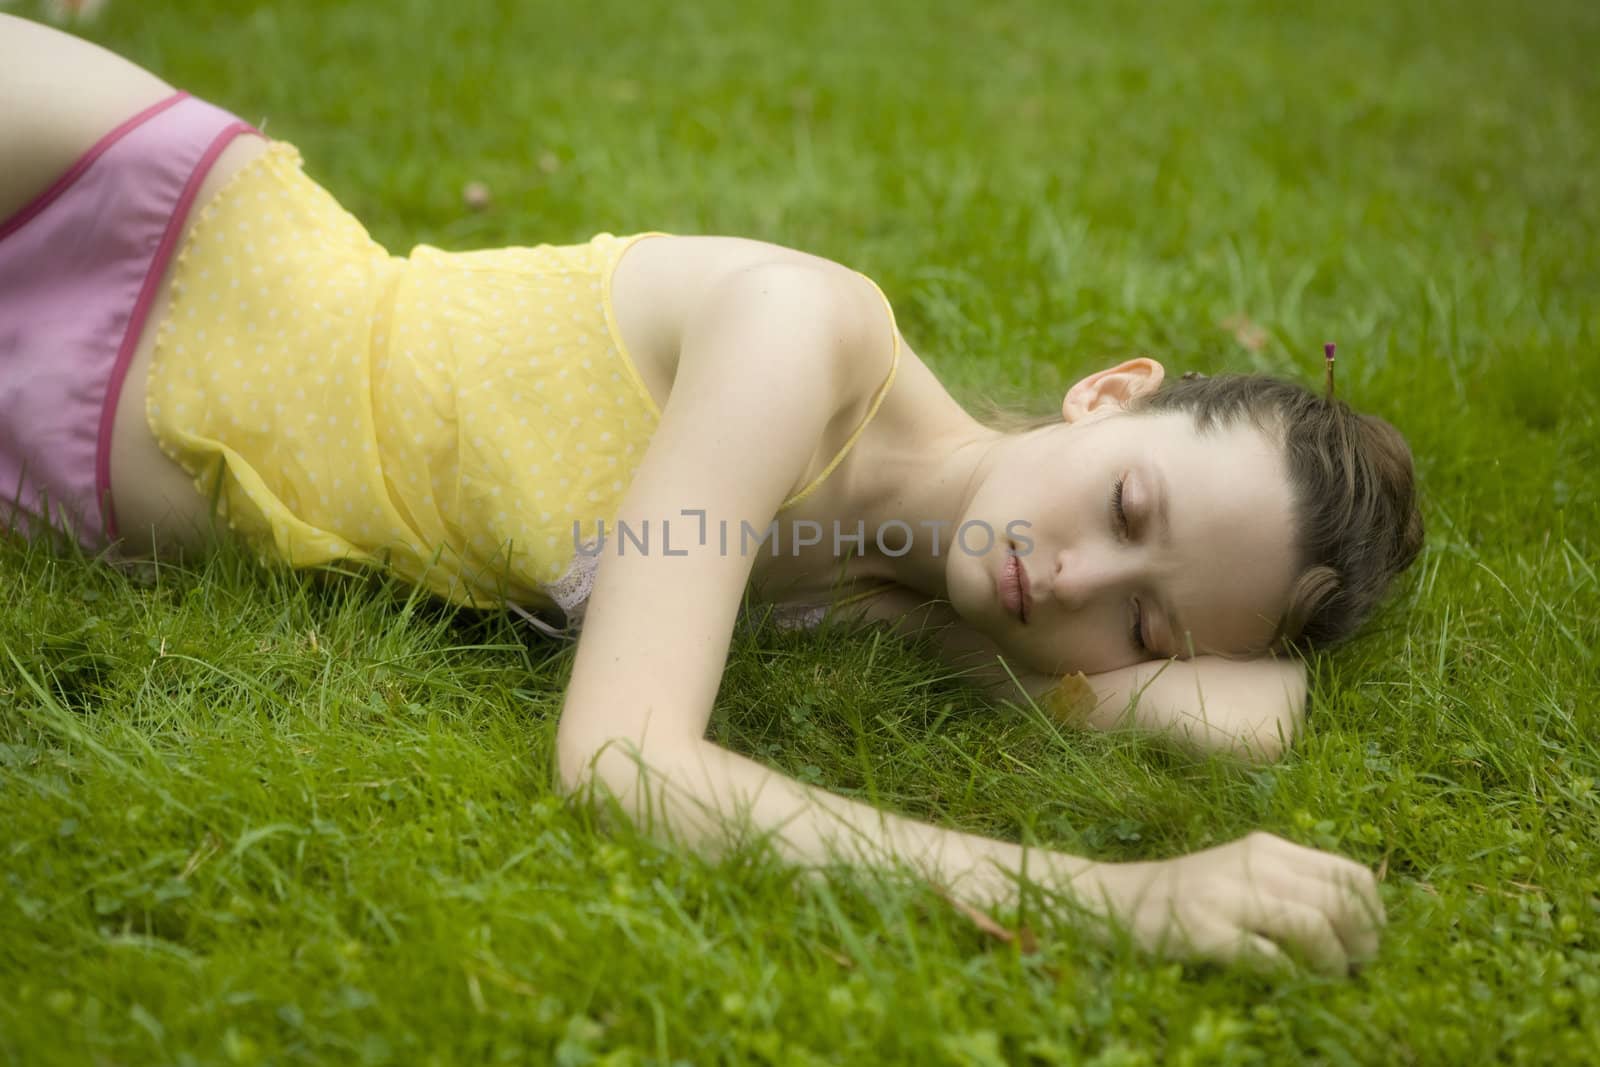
1246	331
1024	938
476	196
983	922
1070	700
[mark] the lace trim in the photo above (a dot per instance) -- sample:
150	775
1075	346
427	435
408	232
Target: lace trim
571	590
570	593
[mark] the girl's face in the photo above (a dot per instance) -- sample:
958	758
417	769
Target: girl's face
1149	539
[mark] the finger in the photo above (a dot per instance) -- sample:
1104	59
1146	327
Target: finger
1256	953
1358	915
1230	945
1365	886
1358	880
1352	898
1347	910
1349	876
1304	929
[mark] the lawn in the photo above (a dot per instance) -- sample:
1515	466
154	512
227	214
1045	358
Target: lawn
249	816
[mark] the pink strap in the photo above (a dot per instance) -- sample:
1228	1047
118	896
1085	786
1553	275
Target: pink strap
141	311
61	184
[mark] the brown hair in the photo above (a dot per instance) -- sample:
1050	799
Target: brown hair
1353	483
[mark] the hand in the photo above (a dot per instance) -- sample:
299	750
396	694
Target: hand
1247	902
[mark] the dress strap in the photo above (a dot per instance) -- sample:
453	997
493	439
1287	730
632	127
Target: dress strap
877	401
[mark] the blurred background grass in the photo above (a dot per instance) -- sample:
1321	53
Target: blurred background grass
255	817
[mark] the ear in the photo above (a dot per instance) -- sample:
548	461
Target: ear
1112	389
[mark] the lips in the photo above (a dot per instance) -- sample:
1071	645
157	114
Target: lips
1014	595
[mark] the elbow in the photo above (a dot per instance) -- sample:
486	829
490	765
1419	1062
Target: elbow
575	763
1260	750
1265	734
1267	743
586	733
582	743
590	757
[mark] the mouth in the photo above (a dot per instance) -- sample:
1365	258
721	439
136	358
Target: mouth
1014	595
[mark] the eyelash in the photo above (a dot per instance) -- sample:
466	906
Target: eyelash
1136	634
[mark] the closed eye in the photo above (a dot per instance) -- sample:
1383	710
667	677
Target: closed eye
1119	517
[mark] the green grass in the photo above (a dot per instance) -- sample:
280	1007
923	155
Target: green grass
255	817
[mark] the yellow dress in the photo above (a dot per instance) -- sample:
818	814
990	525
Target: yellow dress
448	415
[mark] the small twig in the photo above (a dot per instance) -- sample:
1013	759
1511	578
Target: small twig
1023	937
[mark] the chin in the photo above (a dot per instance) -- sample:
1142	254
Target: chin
972	594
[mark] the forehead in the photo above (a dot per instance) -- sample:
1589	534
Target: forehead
1230	559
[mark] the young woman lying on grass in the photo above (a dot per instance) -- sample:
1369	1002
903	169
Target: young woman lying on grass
191	327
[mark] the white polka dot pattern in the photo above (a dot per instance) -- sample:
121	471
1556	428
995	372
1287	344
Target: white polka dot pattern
448	414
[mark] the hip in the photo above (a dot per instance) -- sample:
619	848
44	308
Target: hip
102	198
158	506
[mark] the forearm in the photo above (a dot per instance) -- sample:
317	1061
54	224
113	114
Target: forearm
1248	708
1237	900
697	793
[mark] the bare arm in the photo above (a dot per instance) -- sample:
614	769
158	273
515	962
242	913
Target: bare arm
738	430
1248	708
760	372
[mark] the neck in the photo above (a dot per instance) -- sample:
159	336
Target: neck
916	467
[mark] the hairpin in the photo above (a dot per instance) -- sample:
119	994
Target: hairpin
1192	376
1327	356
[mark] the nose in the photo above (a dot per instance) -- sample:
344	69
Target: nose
1083	576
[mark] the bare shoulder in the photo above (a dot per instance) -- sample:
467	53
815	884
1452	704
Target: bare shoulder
738	432
62	95
664	287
